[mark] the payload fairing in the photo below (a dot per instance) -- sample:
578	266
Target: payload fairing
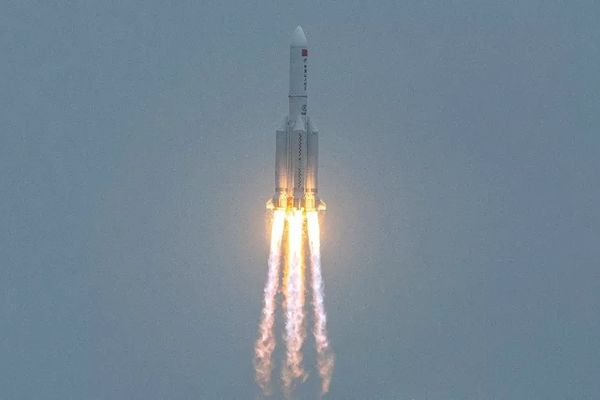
297	141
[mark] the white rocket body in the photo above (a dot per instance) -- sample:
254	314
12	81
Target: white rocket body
297	141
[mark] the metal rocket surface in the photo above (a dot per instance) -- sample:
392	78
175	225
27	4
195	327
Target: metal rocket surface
297	141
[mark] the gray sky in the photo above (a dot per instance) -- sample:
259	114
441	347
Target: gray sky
459	161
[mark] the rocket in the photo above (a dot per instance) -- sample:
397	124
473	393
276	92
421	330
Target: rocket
297	140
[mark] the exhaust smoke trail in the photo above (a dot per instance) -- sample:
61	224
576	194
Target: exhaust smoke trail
266	341
325	358
288	247
294	303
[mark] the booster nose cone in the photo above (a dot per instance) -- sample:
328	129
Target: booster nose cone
298	38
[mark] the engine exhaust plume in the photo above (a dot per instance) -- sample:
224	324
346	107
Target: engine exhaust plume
265	343
325	358
294	303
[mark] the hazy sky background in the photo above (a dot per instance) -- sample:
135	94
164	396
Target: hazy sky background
459	161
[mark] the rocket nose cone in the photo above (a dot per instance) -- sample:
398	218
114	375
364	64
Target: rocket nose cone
298	38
